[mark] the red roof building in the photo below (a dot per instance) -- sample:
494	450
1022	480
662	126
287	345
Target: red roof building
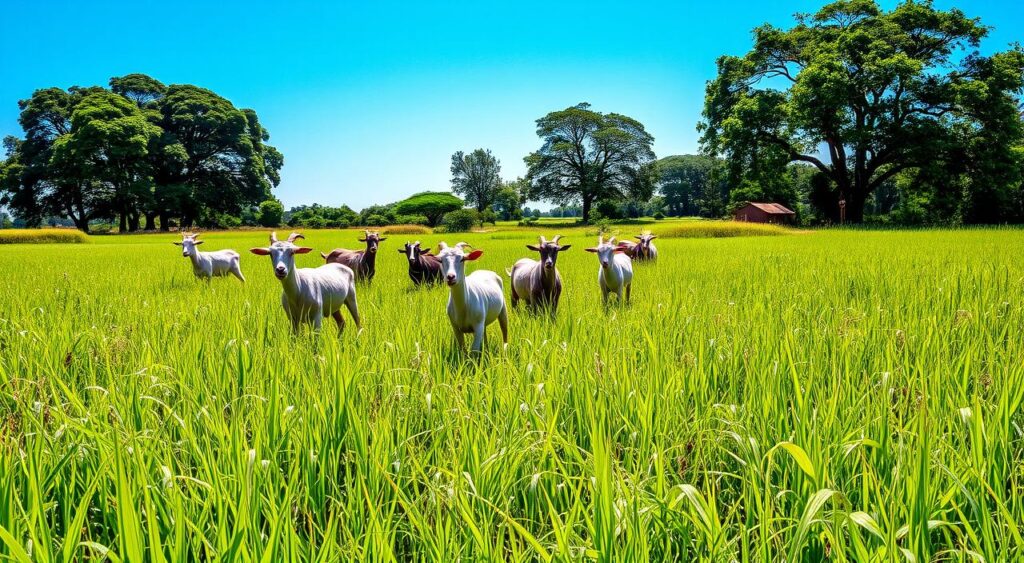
765	213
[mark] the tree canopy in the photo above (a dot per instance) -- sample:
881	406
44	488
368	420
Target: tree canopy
139	149
476	177
432	205
865	95
587	156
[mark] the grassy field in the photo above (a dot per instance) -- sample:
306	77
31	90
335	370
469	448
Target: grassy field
839	395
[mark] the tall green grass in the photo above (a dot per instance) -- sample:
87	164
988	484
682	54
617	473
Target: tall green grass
834	396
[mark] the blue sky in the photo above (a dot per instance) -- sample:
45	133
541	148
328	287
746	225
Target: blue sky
368	101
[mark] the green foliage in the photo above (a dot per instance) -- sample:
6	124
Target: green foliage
318	216
693	185
883	92
138	151
432	205
271	213
509	200
659	215
476	177
588	156
460	221
42	236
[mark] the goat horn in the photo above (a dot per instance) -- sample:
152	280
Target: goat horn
442	245
555	240
461	244
542	240
294	236
273	237
611	241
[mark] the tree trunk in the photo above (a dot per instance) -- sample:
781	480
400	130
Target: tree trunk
150	221
586	208
133	222
81	223
123	223
165	222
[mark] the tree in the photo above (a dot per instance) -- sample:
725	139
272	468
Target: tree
509	199
476	177
31	186
107	148
877	92
589	156
432	205
271	213
214	156
139	88
692	185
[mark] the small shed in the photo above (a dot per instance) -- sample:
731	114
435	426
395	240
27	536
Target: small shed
765	213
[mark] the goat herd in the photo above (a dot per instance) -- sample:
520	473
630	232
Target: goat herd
475	301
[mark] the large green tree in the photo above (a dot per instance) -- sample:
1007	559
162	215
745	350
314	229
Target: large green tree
589	156
214	157
476	177
693	185
108	146
432	205
31	185
864	94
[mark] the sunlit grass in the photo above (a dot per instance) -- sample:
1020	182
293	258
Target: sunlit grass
838	395
42	236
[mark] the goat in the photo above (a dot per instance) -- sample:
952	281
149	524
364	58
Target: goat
424	267
362	262
642	251
310	294
475	300
538	283
206	265
616	271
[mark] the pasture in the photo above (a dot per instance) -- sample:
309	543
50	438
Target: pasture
839	395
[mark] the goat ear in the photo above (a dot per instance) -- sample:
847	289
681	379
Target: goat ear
382	239
425	250
638	237
654	237
564	247
401	251
198	242
362	240
260	251
473	255
176	243
302	250
533	247
591	249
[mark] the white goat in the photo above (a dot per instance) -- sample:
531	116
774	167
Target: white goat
310	294
616	271
476	300
206	265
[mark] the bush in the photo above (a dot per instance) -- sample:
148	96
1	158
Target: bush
271	213
407	230
410	220
42	236
460	221
527	222
488	216
659	216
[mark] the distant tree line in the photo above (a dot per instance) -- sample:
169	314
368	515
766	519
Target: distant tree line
140	153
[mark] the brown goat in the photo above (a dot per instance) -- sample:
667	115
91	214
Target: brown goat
643	250
424	267
538	283
362	262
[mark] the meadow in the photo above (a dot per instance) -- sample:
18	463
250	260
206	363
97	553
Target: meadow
832	395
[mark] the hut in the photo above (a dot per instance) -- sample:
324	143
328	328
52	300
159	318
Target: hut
765	213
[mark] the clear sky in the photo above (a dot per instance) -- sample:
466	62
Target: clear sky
368	100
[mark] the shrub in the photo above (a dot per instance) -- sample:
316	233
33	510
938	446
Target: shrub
659	216
527	222
460	221
488	216
410	220
42	236
406	230
271	213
